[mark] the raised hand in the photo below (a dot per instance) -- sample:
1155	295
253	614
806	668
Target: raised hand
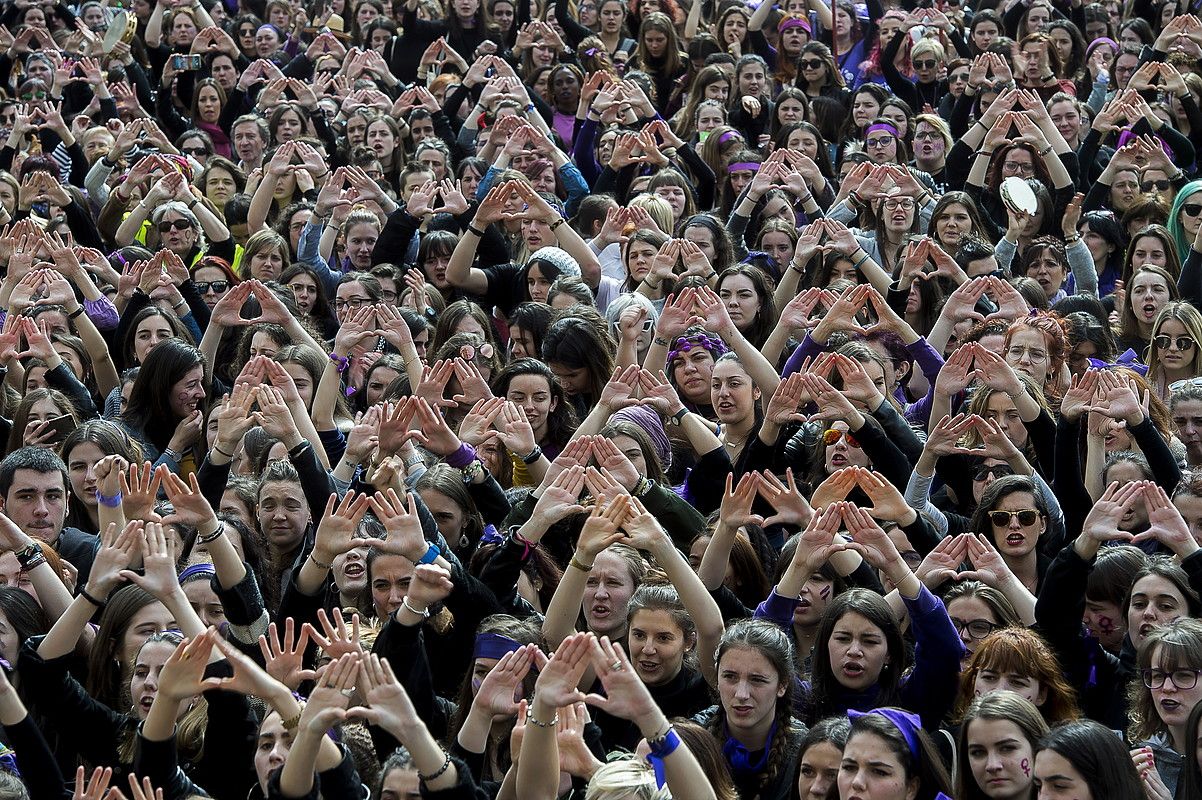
284	661
158	561
1102	524
339	524
341	639
786	500
735	510
501	689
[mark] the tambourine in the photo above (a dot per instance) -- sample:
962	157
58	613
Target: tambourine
1018	195
123	28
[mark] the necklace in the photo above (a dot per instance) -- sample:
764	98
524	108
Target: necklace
732	444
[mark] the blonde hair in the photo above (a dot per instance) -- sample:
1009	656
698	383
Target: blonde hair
658	208
625	779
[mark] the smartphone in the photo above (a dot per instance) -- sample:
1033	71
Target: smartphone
186	63
61	426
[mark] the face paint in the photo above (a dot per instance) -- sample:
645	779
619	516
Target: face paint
1026	767
1106	624
826	592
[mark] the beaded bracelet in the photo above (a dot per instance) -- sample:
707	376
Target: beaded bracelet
446	764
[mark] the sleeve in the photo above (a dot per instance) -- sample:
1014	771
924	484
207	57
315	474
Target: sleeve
777	608
1085	273
902	86
39	770
404	647
931	686
1164	466
1190	282
63	379
159	761
680	519
1058	612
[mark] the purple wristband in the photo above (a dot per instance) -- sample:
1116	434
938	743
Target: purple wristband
465	455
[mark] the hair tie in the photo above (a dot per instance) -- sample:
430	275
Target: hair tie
909	725
494	645
793	22
888	127
743	166
1128	360
197	569
726	137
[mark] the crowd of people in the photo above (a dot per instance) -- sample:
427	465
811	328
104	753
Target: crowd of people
600	399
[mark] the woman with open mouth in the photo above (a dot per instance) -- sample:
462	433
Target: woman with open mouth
1168	691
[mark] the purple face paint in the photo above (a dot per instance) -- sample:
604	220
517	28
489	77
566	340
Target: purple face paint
1026	767
826	592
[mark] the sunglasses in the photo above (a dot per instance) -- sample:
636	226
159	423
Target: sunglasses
983	471
196	151
1159	186
957	77
179	225
926	63
1183	343
217	287
1001	519
1192	209
831	435
33	95
811	63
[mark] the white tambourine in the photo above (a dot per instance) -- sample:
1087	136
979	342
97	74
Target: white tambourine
122	28
1018	195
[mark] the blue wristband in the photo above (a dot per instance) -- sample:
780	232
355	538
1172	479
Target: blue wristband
666	746
110	502
431	554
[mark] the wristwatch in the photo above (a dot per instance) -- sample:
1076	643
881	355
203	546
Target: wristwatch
678	417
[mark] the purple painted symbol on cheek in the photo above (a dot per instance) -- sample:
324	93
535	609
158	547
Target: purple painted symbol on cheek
826	592
1026	767
1106	624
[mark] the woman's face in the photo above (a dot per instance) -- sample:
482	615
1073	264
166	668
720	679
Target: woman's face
1149	250
898	211
1173	704
266	265
1001	410
304	289
1099	248
1104	621
704	239
656	42
1148	294
1190	215
1124	190
220	187
963	612
81	463
639	256
881	147
752	79
1175	359
271	748
43	410
675	197
898	117
842	23
630	448
805	142
144	683
741	300
183	29
864	109
815	596
360	242
1155	602
732	392
208	104
447	513
611	14
890	26
188	392
177	240
1028	353
952	225
204	602
1013	539
928	143
208	276
1058	779
842	453
871	770
857	651
390	576
261	344
778	245
381	140
503	14
1025	686
790	110
607	594
749	687
146	622
819	771
150	331
734	28
1000	756
718	90
692	371
289	127
657	646
266	42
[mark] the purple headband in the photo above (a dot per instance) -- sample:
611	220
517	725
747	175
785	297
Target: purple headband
737	166
726	137
494	645
589	53
197	569
909	725
1126	137
684	344
1128	360
889	127
793	22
